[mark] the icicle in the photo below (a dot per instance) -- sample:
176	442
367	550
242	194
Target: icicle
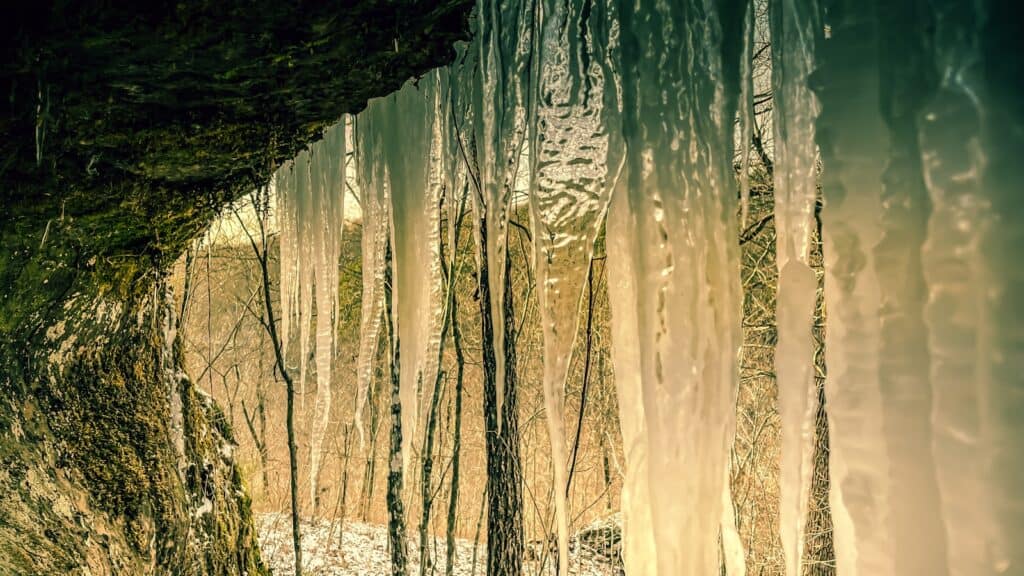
436	179
375	218
679	231
852	139
328	194
505	40
639	551
794	31
304	226
288	241
576	152
409	141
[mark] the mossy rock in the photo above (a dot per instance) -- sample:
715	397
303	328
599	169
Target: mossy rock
125	133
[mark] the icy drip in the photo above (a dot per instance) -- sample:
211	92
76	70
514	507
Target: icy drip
575	155
794	31
970	139
505	36
679	232
406	127
327	190
375	228
853	149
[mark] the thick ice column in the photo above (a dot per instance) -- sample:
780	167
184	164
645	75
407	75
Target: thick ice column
499	108
795	29
853	146
576	153
970	139
915	515
680	231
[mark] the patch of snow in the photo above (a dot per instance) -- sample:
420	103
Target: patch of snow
363	551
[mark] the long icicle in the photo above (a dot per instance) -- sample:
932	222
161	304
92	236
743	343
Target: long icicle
375	217
575	156
794	31
407	130
328	194
505	40
852	139
969	132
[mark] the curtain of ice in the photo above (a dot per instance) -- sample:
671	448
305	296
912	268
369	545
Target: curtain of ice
920	134
310	201
406	127
674	287
501	85
576	152
795	28
970	137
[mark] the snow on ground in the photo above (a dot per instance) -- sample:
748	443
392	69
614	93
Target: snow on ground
364	552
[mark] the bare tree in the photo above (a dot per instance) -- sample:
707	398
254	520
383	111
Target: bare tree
259	201
449	277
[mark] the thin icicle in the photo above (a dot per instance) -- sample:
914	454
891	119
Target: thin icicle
288	242
576	153
436	180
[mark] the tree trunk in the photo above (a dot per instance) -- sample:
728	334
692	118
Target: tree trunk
370	472
396	512
271	326
453	495
504	469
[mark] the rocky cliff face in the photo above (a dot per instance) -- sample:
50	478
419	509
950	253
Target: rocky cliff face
124	133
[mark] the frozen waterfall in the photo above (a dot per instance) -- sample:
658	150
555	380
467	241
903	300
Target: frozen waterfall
628	115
